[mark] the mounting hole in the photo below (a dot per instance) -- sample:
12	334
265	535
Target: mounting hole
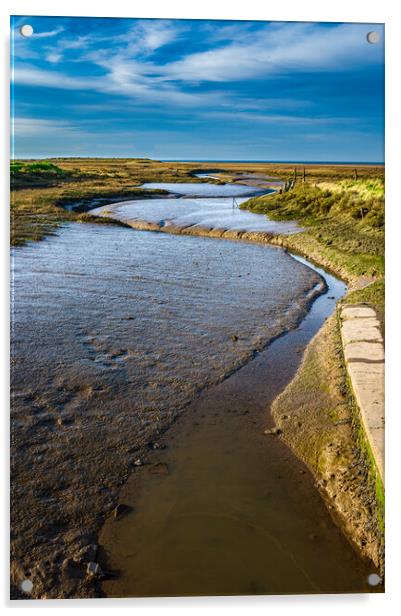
26	30
374	579
373	37
26	586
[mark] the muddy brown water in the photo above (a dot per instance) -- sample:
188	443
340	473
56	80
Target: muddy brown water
224	509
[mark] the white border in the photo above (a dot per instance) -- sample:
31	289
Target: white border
284	10
385	11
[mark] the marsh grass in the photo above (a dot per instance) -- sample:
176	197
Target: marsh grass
365	189
43	191
344	228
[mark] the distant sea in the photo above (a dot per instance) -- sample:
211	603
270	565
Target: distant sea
278	162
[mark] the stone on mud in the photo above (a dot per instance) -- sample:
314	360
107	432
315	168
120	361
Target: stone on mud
86	554
120	510
273	431
93	569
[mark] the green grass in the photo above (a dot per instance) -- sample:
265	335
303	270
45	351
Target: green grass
343	230
372	294
374	476
313	205
366	189
40	173
41	191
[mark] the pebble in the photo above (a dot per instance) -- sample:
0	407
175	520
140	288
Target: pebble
87	553
156	446
273	431
94	569
120	510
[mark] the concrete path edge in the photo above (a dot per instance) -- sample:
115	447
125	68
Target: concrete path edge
364	359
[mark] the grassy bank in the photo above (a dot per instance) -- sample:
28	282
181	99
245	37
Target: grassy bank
344	230
342	226
42	191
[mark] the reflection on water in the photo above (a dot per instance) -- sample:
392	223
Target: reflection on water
135	305
207	190
209	206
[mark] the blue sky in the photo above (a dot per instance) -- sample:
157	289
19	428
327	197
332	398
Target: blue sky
185	89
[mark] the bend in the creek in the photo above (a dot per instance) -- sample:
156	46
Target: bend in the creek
197	208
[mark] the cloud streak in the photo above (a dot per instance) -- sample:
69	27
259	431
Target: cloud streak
238	81
273	49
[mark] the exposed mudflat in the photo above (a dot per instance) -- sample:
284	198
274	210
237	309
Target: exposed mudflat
201	206
114	332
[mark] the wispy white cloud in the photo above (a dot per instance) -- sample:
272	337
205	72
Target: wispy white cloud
56	53
33	76
277	48
123	74
119	80
48	34
130	69
279	118
34	127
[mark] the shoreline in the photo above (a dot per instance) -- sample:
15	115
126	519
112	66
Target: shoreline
260	237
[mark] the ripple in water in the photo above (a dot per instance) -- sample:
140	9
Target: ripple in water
205	205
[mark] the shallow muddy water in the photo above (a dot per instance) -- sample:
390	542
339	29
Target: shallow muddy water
114	332
231	510
209	206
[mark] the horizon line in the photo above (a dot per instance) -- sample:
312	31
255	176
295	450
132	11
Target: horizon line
207	160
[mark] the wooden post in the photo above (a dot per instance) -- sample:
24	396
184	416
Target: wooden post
304	176
355	174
